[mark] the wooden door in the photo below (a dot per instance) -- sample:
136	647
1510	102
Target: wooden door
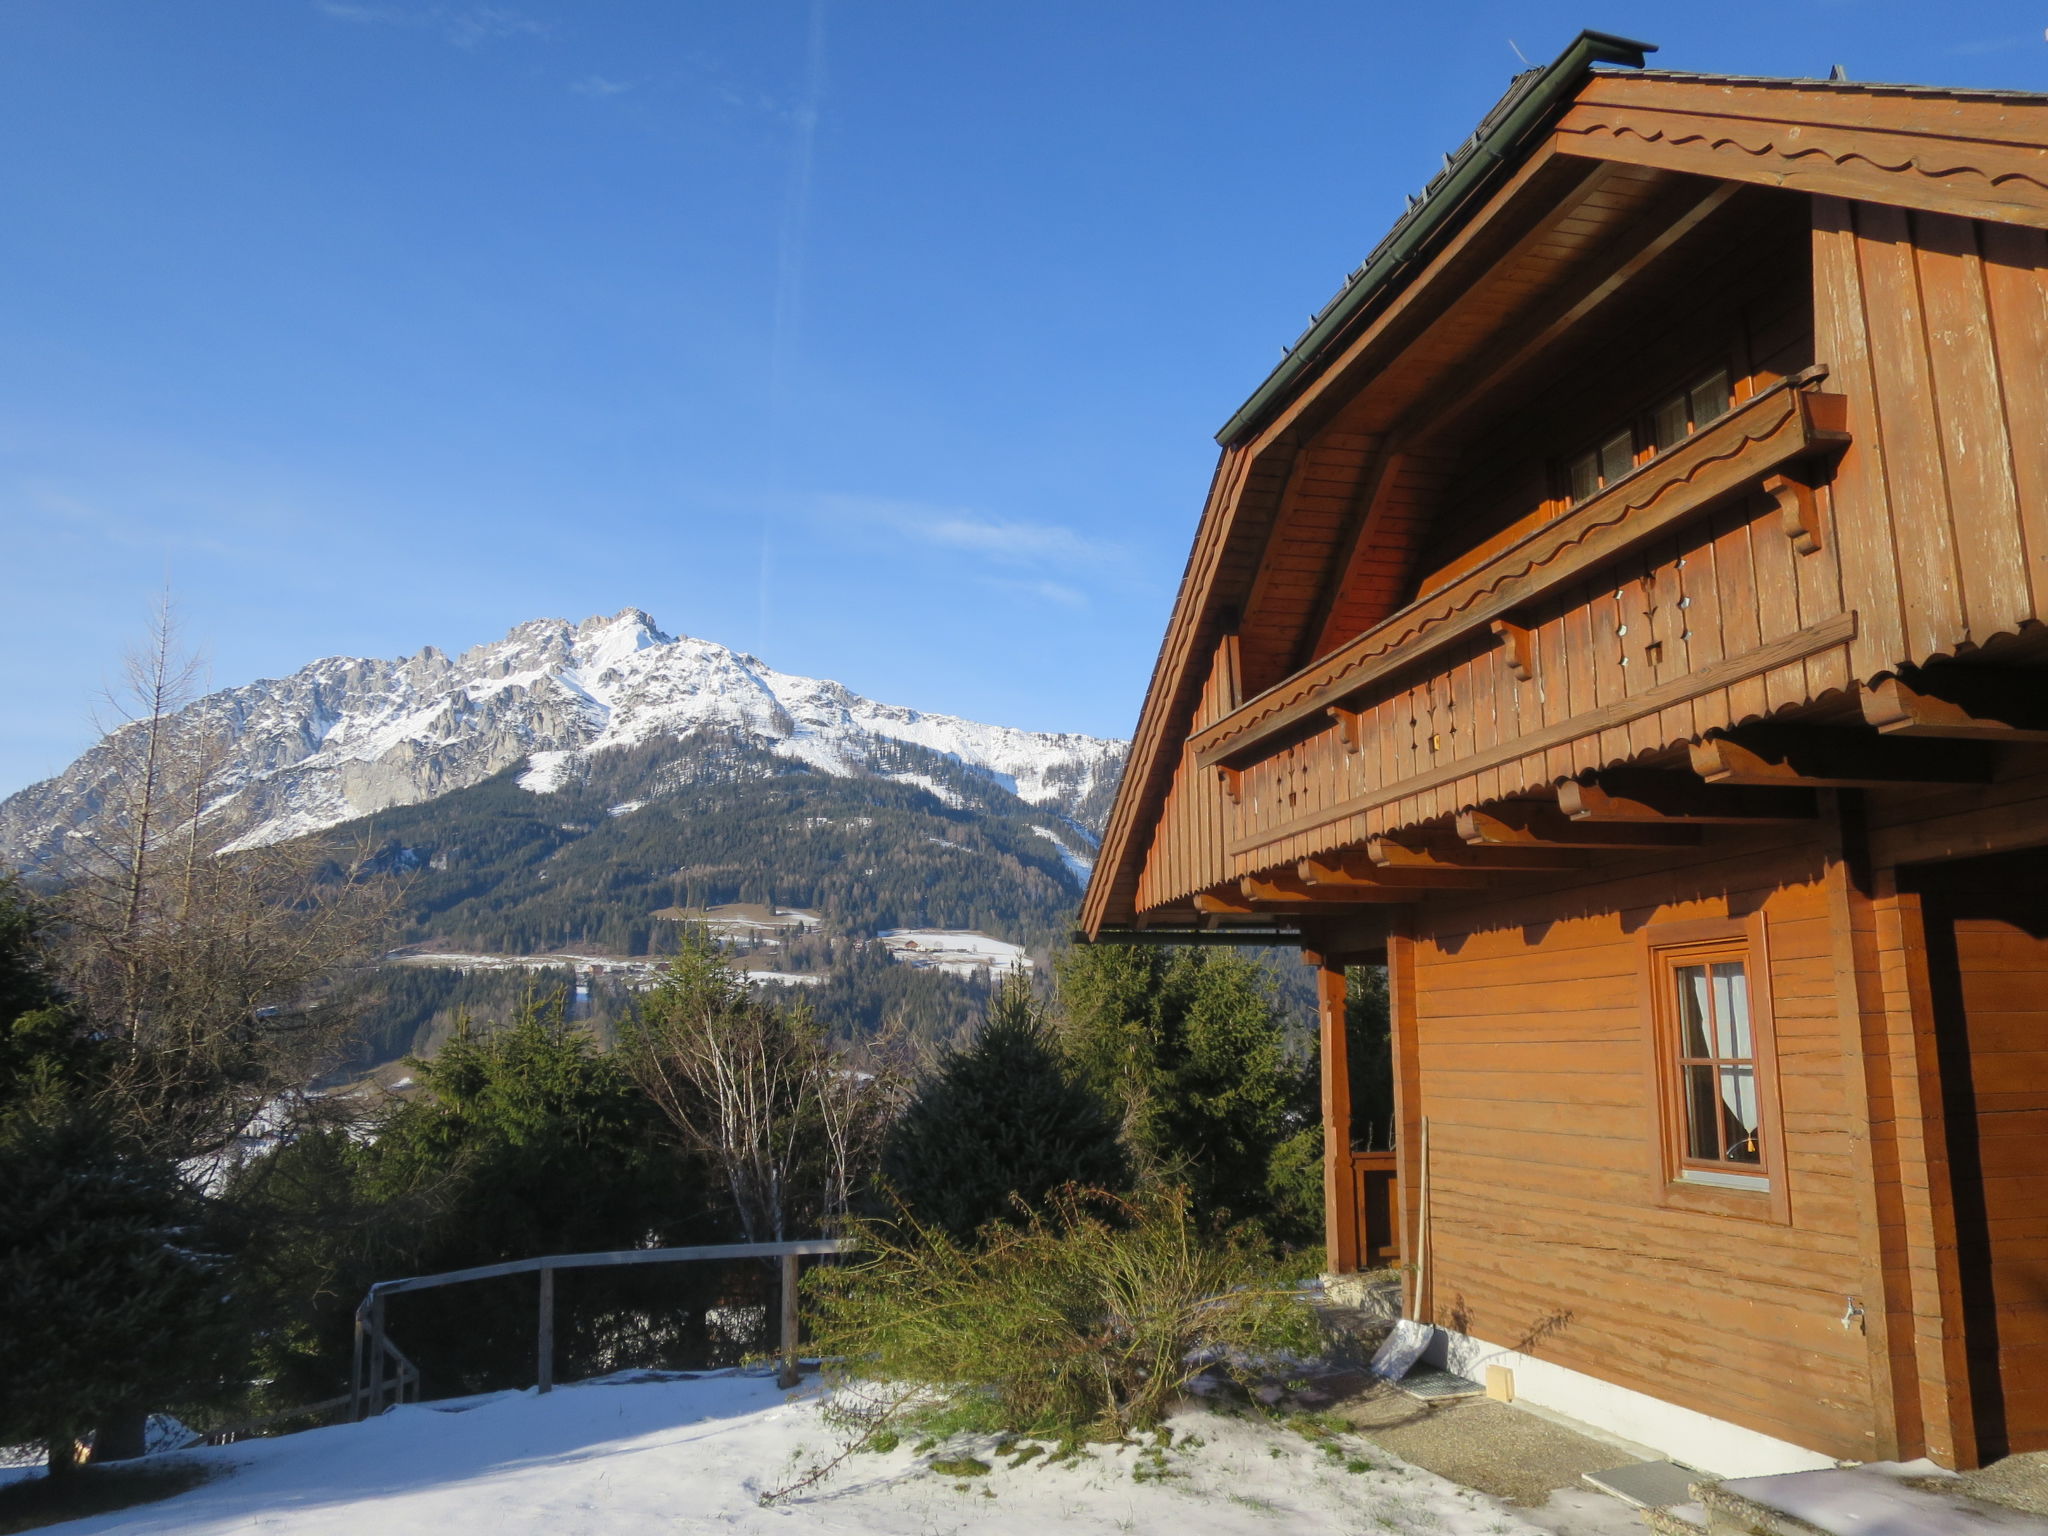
1987	922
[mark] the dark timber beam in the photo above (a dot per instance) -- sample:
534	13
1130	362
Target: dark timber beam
1655	797
1961	703
1420	852
1534	824
1803	757
1357	871
1292	888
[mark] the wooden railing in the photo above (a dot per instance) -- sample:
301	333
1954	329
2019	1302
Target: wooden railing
374	1389
1786	422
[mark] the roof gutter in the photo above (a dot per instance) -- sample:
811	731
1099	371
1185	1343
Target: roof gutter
1471	170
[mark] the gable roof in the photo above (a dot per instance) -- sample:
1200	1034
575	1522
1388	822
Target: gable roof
1976	153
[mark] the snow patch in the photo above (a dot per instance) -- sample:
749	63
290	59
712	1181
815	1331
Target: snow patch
1079	865
954	951
644	1451
945	794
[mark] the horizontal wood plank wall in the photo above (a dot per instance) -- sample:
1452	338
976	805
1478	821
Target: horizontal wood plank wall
1728	588
1936	328
1546	1233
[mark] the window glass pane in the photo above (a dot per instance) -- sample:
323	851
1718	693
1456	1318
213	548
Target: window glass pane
1617	457
1710	398
1702	1116
1693	1011
1585	476
1738	1096
1670	422
1731	1012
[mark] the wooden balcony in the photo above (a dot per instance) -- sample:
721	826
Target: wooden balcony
1701	589
1788	422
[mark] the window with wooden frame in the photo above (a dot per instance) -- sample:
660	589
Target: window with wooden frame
1714	1072
1667	424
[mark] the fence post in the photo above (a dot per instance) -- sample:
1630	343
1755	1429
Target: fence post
375	1405
546	1373
355	1374
789	1374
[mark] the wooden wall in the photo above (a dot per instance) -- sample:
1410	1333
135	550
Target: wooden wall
1188	838
1696	615
1936	328
1545	1232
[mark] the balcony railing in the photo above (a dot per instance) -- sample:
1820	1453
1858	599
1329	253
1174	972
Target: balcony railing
1789	421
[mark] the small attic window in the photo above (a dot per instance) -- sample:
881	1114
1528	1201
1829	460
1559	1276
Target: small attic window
1691	409
1670	423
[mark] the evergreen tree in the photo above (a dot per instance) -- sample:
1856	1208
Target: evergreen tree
1001	1121
523	1140
1191	1048
113	1306
39	1034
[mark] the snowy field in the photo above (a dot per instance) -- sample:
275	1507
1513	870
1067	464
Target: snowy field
698	1455
954	951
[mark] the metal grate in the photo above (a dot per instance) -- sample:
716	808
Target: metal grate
1433	1385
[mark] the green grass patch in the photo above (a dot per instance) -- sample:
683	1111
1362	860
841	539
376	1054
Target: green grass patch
961	1466
32	1502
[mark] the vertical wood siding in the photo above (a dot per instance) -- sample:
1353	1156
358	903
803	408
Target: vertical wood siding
1936	328
1719	591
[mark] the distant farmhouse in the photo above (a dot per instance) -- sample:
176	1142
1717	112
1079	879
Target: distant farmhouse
1621	613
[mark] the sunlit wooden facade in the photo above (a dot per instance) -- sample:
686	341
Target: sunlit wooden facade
1622	614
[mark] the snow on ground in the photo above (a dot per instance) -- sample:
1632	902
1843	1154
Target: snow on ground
781	978
945	794
688	1456
951	950
590	965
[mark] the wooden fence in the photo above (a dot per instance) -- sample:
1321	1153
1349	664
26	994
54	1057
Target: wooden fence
374	1389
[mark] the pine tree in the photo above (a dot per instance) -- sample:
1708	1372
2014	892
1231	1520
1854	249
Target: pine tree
1190	1047
113	1306
999	1122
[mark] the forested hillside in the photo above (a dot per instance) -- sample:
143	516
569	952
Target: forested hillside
715	819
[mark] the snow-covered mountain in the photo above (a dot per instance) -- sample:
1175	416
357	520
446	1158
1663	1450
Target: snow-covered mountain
345	736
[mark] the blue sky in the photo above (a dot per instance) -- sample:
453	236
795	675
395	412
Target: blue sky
882	338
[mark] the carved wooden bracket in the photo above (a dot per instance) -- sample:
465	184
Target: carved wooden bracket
1350	726
1798	511
1515	640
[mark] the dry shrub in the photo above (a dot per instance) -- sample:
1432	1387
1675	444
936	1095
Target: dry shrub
1090	1320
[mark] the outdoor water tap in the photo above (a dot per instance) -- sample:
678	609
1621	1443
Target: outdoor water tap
1852	1314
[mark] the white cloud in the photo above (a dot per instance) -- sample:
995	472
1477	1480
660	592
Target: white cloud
1004	541
598	85
463	25
1987	45
1057	593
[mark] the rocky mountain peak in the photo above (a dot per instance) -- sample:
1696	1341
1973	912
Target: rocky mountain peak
346	736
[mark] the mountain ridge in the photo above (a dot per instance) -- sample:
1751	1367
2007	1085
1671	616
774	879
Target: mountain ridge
346	737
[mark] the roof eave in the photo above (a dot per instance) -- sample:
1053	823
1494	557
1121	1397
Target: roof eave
1478	164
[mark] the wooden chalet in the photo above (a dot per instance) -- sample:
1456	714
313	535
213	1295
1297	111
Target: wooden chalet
1621	614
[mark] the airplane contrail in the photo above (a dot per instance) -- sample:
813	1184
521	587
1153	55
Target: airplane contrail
789	279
